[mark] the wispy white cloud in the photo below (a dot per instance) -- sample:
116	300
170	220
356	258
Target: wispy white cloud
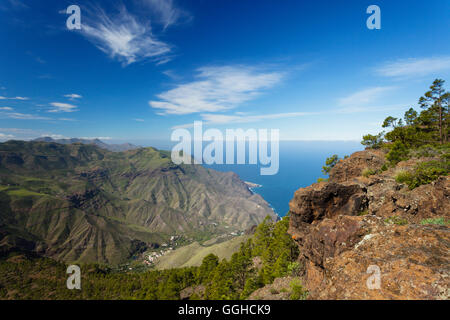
62	107
99	138
22	116
209	118
123	36
216	89
166	12
27	134
13	98
73	96
53	136
372	108
6	136
139	120
13	5
6	108
362	98
17	131
414	67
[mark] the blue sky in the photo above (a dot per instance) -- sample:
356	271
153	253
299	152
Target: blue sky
140	68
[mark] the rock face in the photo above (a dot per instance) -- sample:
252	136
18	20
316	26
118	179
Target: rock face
352	229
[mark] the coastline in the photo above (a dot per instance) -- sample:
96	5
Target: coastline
251	185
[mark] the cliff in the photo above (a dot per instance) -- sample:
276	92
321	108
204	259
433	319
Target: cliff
355	224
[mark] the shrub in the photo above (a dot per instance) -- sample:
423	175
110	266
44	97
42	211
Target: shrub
427	150
293	269
330	163
439	221
427	172
396	220
322	179
368	172
384	167
273	291
364	213
298	292
398	152
404	176
372	141
424	173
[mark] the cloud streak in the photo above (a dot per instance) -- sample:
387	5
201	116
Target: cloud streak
166	11
62	107
22	116
14	98
240	118
413	67
123	37
361	99
215	89
73	96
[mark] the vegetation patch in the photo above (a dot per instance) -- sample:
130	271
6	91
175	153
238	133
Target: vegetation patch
437	221
298	291
235	278
367	172
424	173
396	220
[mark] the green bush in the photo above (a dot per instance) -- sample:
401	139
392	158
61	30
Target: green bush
439	221
330	163
424	173
364	212
372	141
396	220
368	172
293	269
403	176
398	152
298	292
274	291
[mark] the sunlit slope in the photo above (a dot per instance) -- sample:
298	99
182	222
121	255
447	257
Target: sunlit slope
81	203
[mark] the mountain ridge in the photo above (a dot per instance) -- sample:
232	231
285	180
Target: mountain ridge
111	147
78	202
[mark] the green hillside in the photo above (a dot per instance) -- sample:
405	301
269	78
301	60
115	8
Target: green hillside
193	254
81	203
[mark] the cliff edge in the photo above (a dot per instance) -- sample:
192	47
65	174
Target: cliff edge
362	226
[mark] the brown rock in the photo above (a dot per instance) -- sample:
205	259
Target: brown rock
341	229
280	289
188	292
352	167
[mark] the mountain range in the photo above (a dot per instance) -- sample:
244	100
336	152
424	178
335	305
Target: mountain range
96	141
83	203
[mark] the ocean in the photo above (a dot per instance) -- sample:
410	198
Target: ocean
300	165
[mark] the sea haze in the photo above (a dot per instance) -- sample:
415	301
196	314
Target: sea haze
300	165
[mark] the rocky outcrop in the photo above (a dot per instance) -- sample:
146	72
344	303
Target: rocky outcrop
352	229
280	289
352	167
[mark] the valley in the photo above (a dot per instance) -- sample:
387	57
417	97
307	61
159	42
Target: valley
81	203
